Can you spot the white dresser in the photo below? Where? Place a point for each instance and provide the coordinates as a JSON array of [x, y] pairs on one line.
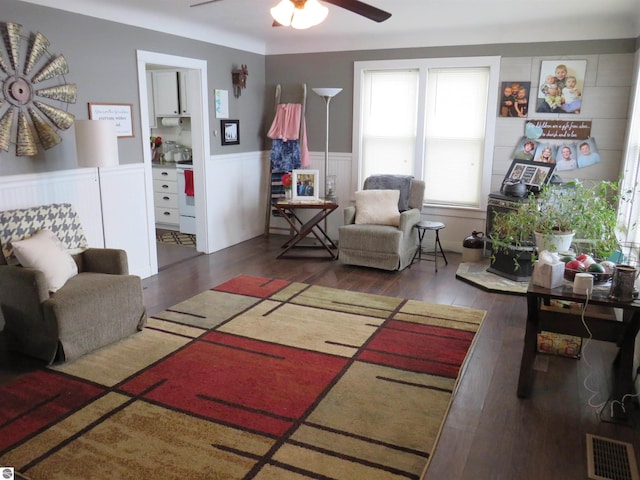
[[165, 196]]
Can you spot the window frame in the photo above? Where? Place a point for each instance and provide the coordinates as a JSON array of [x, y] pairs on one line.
[[422, 65]]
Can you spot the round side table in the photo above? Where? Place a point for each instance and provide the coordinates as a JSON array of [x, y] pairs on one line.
[[422, 227]]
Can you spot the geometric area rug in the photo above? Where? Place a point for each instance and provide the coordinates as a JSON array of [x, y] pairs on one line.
[[256, 378]]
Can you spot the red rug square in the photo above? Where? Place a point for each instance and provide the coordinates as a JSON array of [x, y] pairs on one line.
[[39, 399], [243, 382], [419, 348], [253, 286]]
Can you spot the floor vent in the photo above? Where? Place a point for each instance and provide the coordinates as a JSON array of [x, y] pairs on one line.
[[610, 460]]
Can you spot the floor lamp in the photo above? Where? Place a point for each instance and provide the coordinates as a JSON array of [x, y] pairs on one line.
[[329, 184], [97, 147]]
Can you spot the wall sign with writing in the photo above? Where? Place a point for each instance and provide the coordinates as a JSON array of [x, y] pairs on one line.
[[563, 129], [121, 113]]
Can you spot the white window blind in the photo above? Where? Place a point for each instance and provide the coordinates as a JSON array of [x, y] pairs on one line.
[[455, 127], [430, 118], [389, 121]]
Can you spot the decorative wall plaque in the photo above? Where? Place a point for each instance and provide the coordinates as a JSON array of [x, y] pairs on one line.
[[28, 72], [563, 129]]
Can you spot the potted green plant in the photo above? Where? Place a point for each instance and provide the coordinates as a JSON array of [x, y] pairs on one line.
[[588, 213], [512, 243]]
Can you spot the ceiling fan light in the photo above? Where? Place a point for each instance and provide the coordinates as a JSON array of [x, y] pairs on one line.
[[283, 12], [310, 15]]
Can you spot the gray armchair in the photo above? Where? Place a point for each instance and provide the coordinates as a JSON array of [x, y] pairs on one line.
[[386, 247], [98, 306]]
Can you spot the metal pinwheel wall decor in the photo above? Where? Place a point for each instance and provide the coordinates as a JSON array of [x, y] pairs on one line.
[[35, 95]]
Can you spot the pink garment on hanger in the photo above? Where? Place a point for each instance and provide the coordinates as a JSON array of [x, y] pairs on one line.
[[286, 126]]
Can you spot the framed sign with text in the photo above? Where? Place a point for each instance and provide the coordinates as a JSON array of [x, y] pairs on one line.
[[121, 113]]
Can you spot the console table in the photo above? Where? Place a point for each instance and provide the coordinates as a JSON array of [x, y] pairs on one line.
[[602, 320], [289, 211]]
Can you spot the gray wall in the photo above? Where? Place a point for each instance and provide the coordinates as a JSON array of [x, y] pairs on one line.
[[102, 62], [335, 69]]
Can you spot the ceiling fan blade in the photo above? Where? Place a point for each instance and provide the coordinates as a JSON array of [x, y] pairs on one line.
[[361, 8], [204, 3]]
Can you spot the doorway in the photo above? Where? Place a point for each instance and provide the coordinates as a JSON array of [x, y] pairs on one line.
[[199, 119]]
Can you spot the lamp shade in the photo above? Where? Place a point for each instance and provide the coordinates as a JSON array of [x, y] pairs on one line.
[[96, 143], [311, 13], [283, 12], [327, 92]]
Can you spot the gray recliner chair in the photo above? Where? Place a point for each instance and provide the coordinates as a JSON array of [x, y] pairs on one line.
[[384, 247], [98, 306]]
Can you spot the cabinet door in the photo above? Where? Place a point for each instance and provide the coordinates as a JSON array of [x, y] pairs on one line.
[[165, 93], [183, 93]]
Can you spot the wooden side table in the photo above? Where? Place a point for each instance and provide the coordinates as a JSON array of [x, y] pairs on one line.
[[289, 211], [621, 330]]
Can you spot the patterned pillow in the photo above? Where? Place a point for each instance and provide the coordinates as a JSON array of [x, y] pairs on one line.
[[61, 219]]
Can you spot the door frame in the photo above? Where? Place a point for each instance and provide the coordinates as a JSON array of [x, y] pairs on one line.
[[201, 146]]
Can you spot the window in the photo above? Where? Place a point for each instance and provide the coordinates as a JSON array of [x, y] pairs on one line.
[[454, 135], [431, 119], [389, 122], [630, 211]]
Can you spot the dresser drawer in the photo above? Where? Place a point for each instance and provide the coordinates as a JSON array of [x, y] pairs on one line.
[[165, 200], [168, 173], [165, 186], [167, 215]]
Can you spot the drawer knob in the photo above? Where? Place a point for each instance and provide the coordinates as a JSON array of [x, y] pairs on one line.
[[165, 173], [165, 186], [165, 198], [167, 213]]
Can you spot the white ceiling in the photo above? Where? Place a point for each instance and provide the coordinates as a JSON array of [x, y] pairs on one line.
[[246, 24]]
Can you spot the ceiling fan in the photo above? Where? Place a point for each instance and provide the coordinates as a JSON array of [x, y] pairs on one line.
[[355, 6]]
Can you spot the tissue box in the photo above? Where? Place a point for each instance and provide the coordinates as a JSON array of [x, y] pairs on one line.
[[548, 275]]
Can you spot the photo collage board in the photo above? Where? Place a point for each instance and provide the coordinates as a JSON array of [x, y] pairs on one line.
[[565, 144]]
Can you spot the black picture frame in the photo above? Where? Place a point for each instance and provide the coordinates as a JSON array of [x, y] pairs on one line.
[[230, 132], [533, 174]]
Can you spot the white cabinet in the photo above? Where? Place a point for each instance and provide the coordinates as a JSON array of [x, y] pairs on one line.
[[165, 197], [165, 93], [170, 93], [183, 93]]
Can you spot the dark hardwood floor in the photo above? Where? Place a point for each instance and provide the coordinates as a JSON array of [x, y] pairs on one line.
[[490, 434]]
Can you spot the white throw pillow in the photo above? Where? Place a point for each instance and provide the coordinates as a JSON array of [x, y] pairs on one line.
[[377, 207], [43, 251]]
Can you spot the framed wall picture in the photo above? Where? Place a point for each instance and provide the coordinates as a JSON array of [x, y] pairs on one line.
[[230, 132], [121, 113], [222, 103], [514, 99], [305, 184], [533, 174], [561, 85]]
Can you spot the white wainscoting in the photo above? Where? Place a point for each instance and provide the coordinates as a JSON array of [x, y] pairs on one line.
[[237, 198], [124, 205], [125, 216]]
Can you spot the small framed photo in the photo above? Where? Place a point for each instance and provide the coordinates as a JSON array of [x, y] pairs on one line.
[[533, 174], [230, 132], [514, 99], [305, 184]]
